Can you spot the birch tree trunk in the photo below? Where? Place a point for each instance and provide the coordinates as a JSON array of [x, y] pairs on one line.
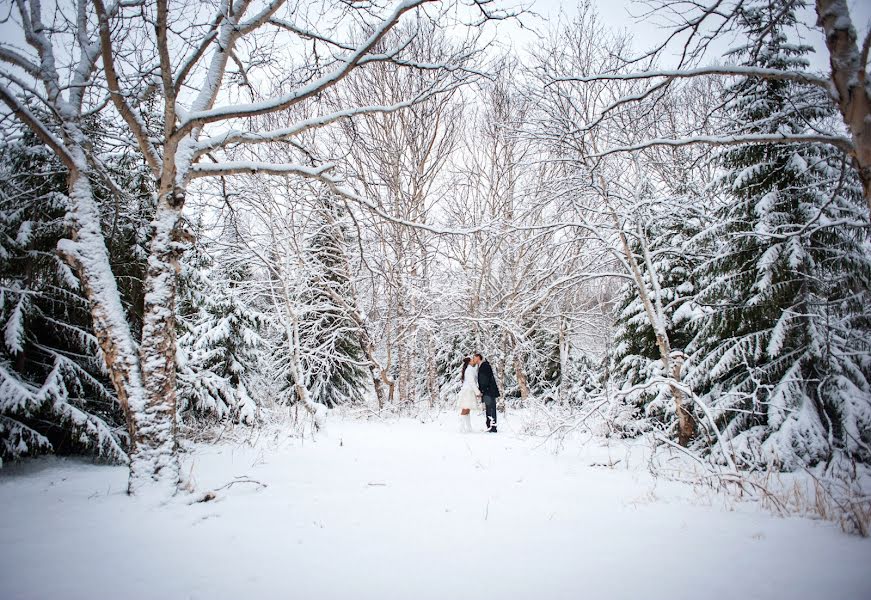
[[157, 459], [849, 79], [563, 360], [520, 373], [87, 254], [431, 372], [670, 366]]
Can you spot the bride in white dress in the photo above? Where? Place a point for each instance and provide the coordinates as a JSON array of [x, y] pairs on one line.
[[467, 399]]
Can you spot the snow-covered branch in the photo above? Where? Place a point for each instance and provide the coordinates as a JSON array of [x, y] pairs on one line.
[[130, 116], [37, 126], [12, 57], [841, 142], [207, 144], [348, 63], [229, 168], [762, 73]]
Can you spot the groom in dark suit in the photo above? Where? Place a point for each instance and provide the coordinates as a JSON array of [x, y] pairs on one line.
[[489, 390]]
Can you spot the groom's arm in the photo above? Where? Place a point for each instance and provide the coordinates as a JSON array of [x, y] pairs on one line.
[[491, 379], [485, 376]]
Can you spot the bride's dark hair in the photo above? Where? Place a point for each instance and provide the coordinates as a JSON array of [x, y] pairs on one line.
[[466, 361]]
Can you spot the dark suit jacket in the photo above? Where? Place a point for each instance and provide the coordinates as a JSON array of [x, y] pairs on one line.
[[487, 381]]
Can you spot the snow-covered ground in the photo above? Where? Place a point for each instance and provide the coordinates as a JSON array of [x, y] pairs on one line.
[[404, 509]]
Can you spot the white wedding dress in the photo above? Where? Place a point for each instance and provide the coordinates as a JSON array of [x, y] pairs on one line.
[[468, 396]]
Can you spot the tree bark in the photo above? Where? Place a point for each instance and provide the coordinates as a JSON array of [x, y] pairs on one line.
[[431, 372], [155, 439], [849, 82], [144, 380], [563, 359], [520, 373], [88, 255]]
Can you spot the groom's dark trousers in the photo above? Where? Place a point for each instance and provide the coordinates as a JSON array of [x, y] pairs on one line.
[[490, 409]]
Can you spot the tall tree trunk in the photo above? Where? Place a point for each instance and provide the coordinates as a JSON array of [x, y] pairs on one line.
[[520, 373], [297, 374], [402, 368], [380, 377], [403, 348], [406, 386], [849, 74], [686, 426], [156, 460], [563, 359], [671, 366], [88, 255], [431, 372], [148, 406]]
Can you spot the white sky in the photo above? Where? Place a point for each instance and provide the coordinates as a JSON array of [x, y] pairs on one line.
[[617, 14]]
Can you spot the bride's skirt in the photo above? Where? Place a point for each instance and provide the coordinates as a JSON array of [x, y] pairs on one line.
[[467, 399]]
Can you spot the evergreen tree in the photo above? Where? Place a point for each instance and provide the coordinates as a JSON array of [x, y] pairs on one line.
[[54, 392], [543, 367], [449, 362], [584, 375], [219, 341], [336, 364], [782, 351]]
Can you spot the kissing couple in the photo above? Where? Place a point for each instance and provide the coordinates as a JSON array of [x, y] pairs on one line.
[[479, 385]]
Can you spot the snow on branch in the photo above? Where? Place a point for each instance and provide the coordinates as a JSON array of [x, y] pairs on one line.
[[458, 65], [308, 33], [131, 117], [208, 144], [253, 168], [335, 184], [197, 54], [490, 11], [260, 18], [841, 142], [14, 58], [762, 73], [198, 118], [37, 126]]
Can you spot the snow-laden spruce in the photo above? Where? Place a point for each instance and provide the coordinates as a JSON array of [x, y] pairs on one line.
[[336, 364], [782, 342], [55, 394], [219, 343]]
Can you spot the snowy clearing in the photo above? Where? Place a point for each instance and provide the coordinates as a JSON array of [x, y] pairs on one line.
[[405, 509]]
